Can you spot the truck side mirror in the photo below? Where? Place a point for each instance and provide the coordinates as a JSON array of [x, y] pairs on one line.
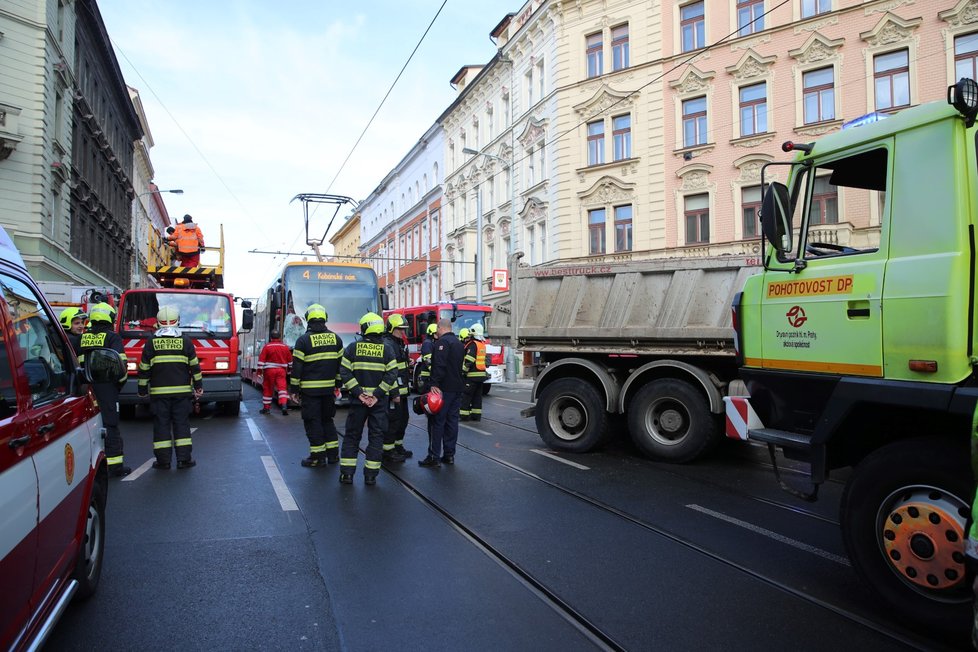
[[384, 303], [776, 218], [247, 319]]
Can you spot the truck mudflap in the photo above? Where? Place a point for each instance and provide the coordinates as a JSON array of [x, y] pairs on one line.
[[216, 388], [740, 417], [529, 412]]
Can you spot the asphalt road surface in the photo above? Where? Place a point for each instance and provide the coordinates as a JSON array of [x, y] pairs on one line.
[[513, 548]]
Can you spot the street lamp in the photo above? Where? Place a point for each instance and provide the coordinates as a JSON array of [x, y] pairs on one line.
[[513, 243], [175, 191]]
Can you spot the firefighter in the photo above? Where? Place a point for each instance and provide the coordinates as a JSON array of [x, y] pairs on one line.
[[427, 348], [169, 373], [316, 362], [73, 320], [474, 368], [446, 382], [187, 241], [369, 372], [103, 337], [273, 362], [397, 413]]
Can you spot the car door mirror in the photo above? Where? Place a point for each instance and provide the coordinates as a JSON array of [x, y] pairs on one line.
[[78, 383], [776, 218], [39, 374]]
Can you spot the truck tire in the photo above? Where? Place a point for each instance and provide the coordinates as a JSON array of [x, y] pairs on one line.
[[88, 564], [127, 411], [485, 389], [670, 420], [231, 408], [922, 485], [570, 416]]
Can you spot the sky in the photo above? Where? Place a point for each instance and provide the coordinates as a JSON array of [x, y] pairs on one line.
[[252, 102]]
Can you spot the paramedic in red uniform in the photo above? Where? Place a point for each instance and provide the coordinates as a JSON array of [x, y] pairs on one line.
[[274, 362]]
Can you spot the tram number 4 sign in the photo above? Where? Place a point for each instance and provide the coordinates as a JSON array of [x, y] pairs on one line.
[[500, 280]]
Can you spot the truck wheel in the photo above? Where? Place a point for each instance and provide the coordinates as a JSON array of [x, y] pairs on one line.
[[670, 420], [485, 389], [904, 512], [88, 565], [231, 408], [570, 416], [127, 412]]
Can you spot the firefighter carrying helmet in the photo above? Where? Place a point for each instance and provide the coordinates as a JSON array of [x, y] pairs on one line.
[[395, 321], [371, 324], [432, 329], [168, 316], [477, 331], [429, 403], [69, 315], [316, 311], [101, 312]]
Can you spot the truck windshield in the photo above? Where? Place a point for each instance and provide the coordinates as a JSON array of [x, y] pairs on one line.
[[201, 315], [464, 318], [346, 293]]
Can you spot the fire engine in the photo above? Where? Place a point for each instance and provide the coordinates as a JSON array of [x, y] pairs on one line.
[[462, 315]]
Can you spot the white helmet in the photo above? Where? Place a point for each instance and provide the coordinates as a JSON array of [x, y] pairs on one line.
[[168, 316], [476, 331]]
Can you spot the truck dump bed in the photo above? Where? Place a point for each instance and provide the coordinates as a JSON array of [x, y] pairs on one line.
[[669, 306]]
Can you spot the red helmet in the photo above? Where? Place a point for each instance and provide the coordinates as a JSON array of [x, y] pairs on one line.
[[428, 403]]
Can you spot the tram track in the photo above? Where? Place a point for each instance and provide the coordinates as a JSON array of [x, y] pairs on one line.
[[606, 640]]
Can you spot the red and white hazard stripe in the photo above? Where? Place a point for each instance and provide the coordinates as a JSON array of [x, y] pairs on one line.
[[741, 418]]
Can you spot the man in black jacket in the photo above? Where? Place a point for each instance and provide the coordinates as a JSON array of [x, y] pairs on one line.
[[447, 380], [316, 362]]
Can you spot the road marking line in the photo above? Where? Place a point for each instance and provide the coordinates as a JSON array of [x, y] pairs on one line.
[[255, 432], [285, 498], [146, 466], [481, 432], [244, 408], [559, 459], [771, 535], [510, 400]]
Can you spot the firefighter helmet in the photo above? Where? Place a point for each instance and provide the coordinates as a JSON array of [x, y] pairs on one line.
[[168, 316], [432, 329], [101, 312], [69, 315], [429, 403], [477, 331], [395, 321], [316, 311], [371, 324], [463, 334]]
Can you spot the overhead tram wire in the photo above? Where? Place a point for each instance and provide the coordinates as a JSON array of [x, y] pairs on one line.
[[380, 106]]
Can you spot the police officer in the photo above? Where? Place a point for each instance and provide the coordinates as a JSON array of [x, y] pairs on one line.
[[103, 337], [474, 368], [73, 321], [427, 348], [169, 373], [446, 380], [316, 361], [369, 372], [397, 414]]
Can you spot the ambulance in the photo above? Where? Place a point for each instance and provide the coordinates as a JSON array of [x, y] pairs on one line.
[[53, 478]]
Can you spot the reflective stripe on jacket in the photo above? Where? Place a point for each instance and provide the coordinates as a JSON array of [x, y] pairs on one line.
[[187, 238], [316, 360], [400, 354], [369, 365], [474, 363], [169, 366]]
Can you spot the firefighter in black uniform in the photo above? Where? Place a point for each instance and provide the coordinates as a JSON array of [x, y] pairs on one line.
[[169, 373], [103, 337], [427, 348], [397, 413], [315, 368], [474, 368], [368, 371]]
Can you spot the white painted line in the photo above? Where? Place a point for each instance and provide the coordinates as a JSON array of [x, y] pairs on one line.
[[481, 432], [285, 498], [560, 459], [244, 408], [508, 400], [143, 468], [771, 535], [255, 432]]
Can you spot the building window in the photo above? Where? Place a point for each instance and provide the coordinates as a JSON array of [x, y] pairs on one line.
[[694, 122], [697, 219], [619, 47], [542, 231], [819, 89], [435, 233], [811, 8], [750, 206], [825, 203], [529, 88], [595, 55], [623, 228], [966, 56], [540, 79], [541, 150], [753, 109], [692, 26], [595, 142], [530, 238], [531, 176], [750, 16], [621, 137], [595, 227], [891, 72]]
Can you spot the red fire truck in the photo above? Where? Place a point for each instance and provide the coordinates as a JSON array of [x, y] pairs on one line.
[[206, 316], [462, 315]]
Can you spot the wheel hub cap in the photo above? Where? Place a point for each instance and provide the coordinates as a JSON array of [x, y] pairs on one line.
[[924, 541], [571, 417], [671, 421]]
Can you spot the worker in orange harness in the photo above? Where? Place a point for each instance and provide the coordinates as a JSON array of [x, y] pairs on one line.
[[187, 242]]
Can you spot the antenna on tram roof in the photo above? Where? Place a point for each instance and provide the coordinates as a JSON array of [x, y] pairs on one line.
[[315, 198]]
